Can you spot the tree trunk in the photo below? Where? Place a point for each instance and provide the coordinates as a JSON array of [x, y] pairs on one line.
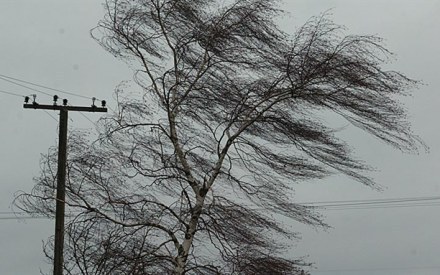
[[189, 237]]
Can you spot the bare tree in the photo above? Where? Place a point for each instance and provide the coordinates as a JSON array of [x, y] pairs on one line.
[[190, 176]]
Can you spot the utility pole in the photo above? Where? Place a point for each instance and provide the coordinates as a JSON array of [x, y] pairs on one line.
[[61, 174]]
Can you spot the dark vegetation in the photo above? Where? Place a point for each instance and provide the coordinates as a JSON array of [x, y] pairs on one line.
[[187, 177]]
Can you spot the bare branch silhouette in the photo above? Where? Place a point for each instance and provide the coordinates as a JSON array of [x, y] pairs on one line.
[[190, 177]]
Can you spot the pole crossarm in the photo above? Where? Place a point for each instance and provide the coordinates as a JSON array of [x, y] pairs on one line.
[[66, 108]]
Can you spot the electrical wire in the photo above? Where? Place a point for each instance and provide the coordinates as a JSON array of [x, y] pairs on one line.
[[349, 205], [11, 93], [12, 79], [24, 86], [377, 203], [381, 207], [24, 218], [326, 203], [81, 113], [2, 77], [10, 215], [376, 269], [50, 115], [88, 118], [42, 86], [18, 95]]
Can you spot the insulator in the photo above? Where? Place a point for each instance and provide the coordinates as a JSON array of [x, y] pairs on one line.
[[26, 99], [64, 102], [103, 103]]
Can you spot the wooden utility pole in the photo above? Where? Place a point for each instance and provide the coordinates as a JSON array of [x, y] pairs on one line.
[[61, 174]]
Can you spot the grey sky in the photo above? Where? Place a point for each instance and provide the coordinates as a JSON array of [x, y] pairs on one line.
[[48, 42]]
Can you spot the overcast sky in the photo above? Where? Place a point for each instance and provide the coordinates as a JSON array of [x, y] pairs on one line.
[[48, 42]]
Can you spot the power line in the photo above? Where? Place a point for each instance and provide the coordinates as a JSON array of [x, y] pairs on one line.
[[24, 218], [377, 269], [42, 86], [370, 204], [24, 86], [85, 117], [12, 80], [11, 93], [88, 119], [22, 96], [341, 205], [50, 115], [323, 203], [19, 95], [377, 203], [380, 207]]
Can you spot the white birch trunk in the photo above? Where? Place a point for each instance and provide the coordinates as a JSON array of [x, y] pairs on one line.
[[189, 237]]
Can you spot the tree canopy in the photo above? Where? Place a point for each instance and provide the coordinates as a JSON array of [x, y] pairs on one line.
[[186, 177]]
